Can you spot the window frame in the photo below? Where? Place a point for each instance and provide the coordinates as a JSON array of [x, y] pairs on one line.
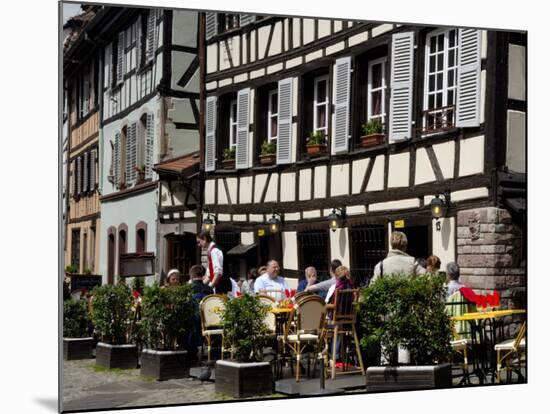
[[316, 103], [445, 72], [383, 61], [233, 123], [271, 114]]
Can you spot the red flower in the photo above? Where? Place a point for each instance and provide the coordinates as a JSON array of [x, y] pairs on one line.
[[292, 293], [287, 293], [238, 294], [136, 294], [496, 295], [489, 300]]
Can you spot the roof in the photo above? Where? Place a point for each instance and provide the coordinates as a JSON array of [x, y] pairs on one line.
[[186, 165], [241, 249]]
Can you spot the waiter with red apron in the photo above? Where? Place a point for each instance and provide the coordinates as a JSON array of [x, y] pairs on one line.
[[216, 279]]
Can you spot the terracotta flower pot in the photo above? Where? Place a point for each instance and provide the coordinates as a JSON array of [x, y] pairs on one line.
[[228, 164], [267, 159], [316, 150], [372, 140]]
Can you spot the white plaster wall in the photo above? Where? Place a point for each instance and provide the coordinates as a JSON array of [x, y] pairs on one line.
[[354, 210], [293, 62], [358, 38], [423, 172], [247, 237], [309, 31], [259, 186], [295, 32], [305, 184], [445, 154], [180, 63], [257, 73], [483, 93], [320, 182], [324, 28], [232, 186], [516, 72], [311, 214], [222, 195], [276, 40], [395, 205], [376, 181], [271, 194], [132, 210], [469, 194], [210, 191], [292, 216], [339, 246], [224, 57], [288, 187], [245, 190], [516, 141], [381, 29], [263, 37], [184, 27], [314, 55], [337, 25], [472, 153], [234, 44], [274, 68], [359, 168], [290, 249], [339, 180], [252, 46], [398, 172], [257, 218], [334, 48], [443, 241]]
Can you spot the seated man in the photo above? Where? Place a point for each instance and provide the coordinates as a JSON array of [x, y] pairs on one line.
[[270, 283], [309, 280], [323, 287], [200, 290]]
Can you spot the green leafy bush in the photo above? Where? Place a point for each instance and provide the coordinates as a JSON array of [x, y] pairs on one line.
[[229, 154], [112, 313], [75, 319], [167, 316], [71, 269], [244, 327], [316, 138], [268, 148], [407, 311], [374, 126]]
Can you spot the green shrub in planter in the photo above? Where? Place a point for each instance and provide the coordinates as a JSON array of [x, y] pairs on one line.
[[244, 327], [112, 313], [409, 312], [167, 316], [75, 319]]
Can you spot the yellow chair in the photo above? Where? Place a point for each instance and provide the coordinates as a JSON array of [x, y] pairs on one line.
[[461, 346], [211, 307], [309, 316], [511, 352]]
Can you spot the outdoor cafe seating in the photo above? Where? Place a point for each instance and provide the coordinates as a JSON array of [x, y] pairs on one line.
[[211, 322]]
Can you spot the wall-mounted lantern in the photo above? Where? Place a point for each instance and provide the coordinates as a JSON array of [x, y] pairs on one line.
[[336, 218], [439, 206], [274, 223], [209, 222]]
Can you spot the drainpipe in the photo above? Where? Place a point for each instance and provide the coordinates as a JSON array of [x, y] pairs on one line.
[[202, 108]]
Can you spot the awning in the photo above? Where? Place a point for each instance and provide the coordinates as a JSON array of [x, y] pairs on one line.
[[185, 166], [241, 249]]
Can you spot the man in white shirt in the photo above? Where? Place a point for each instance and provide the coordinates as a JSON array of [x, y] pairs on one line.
[[214, 271], [270, 283]]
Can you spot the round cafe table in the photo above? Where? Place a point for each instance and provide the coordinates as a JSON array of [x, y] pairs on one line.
[[486, 329]]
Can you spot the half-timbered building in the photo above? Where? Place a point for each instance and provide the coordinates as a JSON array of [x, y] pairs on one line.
[[81, 124], [451, 106], [150, 91]]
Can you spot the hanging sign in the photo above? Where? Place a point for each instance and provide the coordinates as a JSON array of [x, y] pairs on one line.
[[399, 224]]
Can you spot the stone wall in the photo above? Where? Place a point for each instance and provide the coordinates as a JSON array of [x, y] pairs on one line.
[[491, 257]]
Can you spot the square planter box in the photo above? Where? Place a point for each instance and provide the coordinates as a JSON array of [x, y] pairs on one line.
[[77, 348], [241, 380], [163, 365], [388, 378], [116, 356]]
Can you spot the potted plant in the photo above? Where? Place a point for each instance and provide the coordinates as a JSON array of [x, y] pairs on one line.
[[268, 153], [77, 343], [70, 269], [244, 328], [167, 321], [403, 315], [112, 317], [141, 173], [373, 133], [316, 144], [228, 161]]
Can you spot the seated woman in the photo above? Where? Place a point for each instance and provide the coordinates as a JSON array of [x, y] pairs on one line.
[[343, 281]]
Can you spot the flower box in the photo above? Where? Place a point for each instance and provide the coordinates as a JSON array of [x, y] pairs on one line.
[[163, 365], [316, 150], [116, 356], [77, 348], [243, 379], [228, 164], [372, 140], [401, 378], [268, 159]]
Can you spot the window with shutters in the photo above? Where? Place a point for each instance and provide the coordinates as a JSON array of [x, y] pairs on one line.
[[272, 116], [227, 128], [440, 80], [75, 248], [233, 125], [376, 90], [146, 132], [266, 116], [320, 105], [228, 21], [314, 102], [151, 35], [83, 91]]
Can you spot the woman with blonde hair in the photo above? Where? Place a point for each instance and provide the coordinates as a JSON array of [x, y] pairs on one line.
[[343, 281]]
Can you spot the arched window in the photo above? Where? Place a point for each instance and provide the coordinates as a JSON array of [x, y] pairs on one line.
[[141, 237], [122, 242], [111, 246]]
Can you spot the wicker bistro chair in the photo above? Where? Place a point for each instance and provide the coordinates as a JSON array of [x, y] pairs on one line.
[[270, 317], [461, 343], [309, 316], [341, 321], [511, 353], [211, 323]]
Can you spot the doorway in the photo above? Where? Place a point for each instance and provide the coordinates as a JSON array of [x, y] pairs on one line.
[[419, 240], [182, 252]]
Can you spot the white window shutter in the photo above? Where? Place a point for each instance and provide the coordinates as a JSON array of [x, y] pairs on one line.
[[246, 19], [120, 58], [284, 122], [93, 159], [469, 61], [85, 178], [78, 175], [138, 43], [211, 25], [131, 154], [72, 179], [149, 140], [117, 160], [243, 109], [342, 78], [401, 86], [210, 144], [151, 35]]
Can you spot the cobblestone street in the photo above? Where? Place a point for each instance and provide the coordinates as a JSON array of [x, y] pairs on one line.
[[87, 388]]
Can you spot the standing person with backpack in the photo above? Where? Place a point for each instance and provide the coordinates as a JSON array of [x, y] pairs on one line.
[[217, 281]]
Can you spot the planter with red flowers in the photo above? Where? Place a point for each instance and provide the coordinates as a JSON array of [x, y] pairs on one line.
[[316, 144], [373, 133], [112, 315], [246, 374]]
